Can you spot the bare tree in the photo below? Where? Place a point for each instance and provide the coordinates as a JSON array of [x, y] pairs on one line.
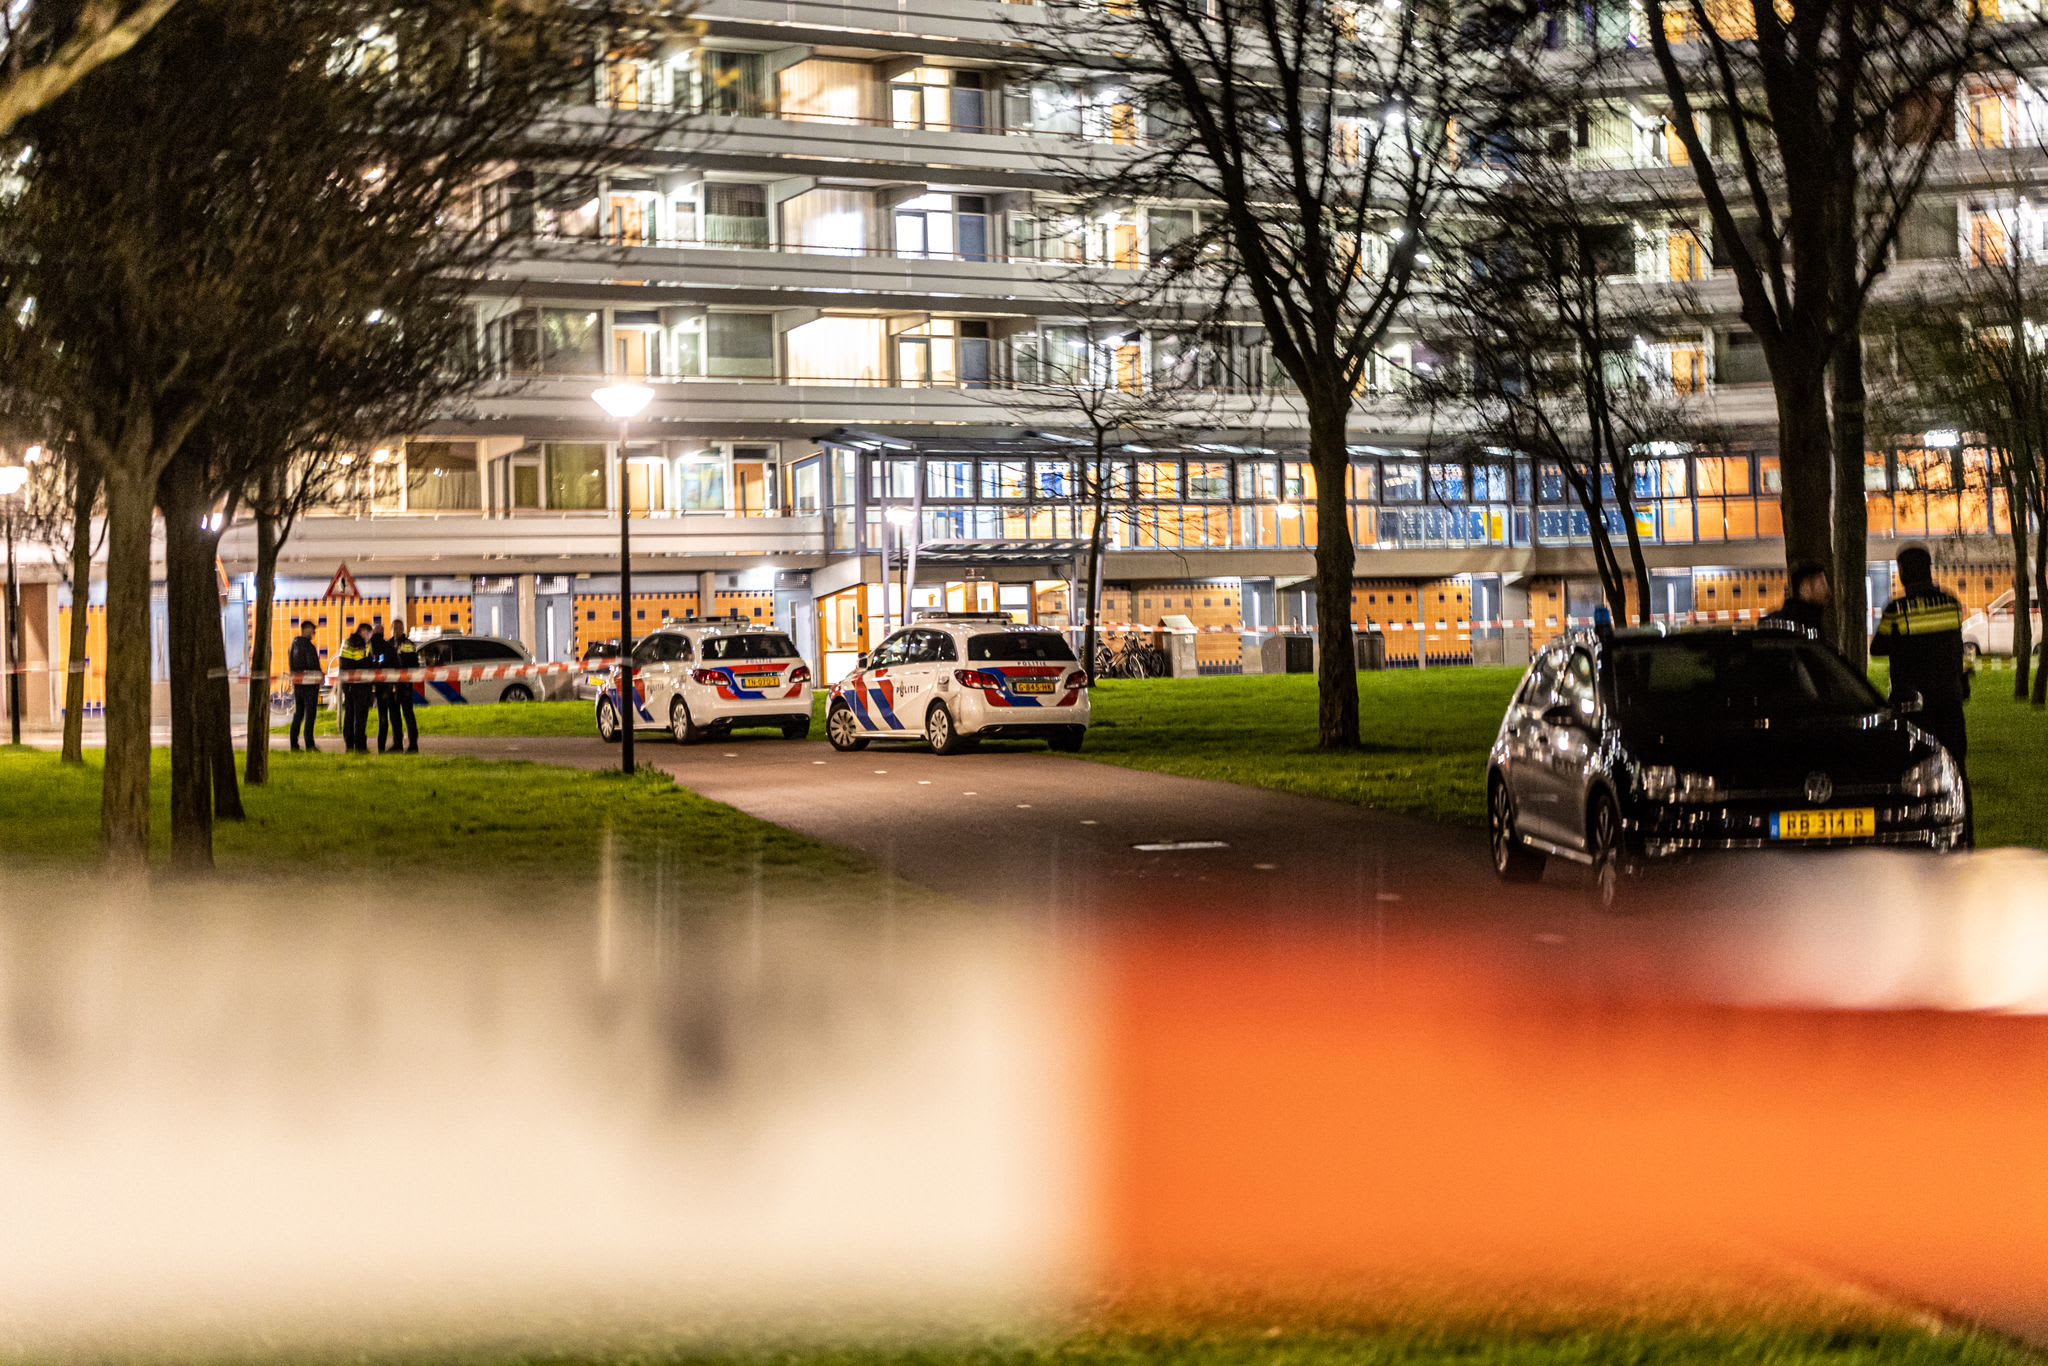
[[49, 46], [1093, 398], [1322, 135], [150, 294], [1809, 130], [1548, 336]]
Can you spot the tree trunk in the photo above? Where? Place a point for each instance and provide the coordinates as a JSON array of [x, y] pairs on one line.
[[1806, 467], [2022, 585], [190, 592], [1848, 567], [2040, 696], [124, 791], [84, 490], [256, 744], [1098, 533], [220, 707], [1336, 570]]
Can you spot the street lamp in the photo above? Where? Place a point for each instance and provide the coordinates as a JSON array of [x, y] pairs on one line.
[[625, 402], [13, 479], [900, 518]]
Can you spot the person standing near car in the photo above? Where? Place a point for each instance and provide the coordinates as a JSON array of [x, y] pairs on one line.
[[404, 653], [387, 700], [1921, 633], [1807, 595], [355, 694], [304, 658]]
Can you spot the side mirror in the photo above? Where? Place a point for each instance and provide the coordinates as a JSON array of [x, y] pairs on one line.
[[861, 662], [1563, 714]]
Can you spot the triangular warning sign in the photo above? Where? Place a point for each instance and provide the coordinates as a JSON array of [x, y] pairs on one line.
[[343, 584]]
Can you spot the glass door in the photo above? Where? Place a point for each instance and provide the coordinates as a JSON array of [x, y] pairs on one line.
[[914, 362]]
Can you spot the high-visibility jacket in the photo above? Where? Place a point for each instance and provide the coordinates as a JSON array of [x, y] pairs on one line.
[[355, 655], [1922, 634]]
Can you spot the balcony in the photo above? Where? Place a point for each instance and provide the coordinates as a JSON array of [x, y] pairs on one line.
[[549, 542]]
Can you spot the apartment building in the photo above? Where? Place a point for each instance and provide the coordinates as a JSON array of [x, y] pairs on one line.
[[845, 279]]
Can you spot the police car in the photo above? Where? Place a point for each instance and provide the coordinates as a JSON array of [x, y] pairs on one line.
[[953, 679], [699, 679]]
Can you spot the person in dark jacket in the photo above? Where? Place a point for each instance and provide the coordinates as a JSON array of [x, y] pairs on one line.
[[387, 699], [304, 658], [1807, 595], [1921, 633], [356, 696], [405, 726]]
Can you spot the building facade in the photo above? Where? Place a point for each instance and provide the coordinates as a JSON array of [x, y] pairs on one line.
[[843, 277]]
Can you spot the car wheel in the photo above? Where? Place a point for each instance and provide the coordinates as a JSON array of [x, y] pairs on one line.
[[608, 728], [1610, 857], [1068, 741], [686, 731], [843, 731], [1971, 652], [1513, 861], [797, 730], [940, 732], [516, 692]]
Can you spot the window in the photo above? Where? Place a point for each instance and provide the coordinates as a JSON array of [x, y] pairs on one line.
[[895, 650], [656, 649], [484, 652], [569, 342], [751, 645], [735, 215], [740, 345], [949, 479], [700, 482], [1002, 479], [1401, 481], [1037, 647], [440, 476], [575, 476], [1208, 479]]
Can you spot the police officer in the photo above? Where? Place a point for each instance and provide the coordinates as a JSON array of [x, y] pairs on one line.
[[1807, 594], [387, 702], [304, 659], [405, 727], [1921, 632], [355, 696]]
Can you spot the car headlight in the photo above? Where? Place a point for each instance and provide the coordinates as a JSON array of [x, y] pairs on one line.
[[1662, 783], [1934, 776]]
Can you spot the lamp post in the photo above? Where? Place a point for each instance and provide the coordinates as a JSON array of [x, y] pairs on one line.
[[625, 402], [13, 479], [900, 518]]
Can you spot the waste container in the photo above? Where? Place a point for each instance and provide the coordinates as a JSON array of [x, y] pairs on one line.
[[1371, 647], [1177, 637], [1293, 653]]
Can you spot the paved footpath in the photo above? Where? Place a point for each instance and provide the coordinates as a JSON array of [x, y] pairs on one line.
[[1020, 827]]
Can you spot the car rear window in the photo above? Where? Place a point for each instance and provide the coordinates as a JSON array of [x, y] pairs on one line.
[[1047, 647], [752, 645], [1748, 674]]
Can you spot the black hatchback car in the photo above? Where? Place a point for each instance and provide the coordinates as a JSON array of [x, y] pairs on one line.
[[1624, 749]]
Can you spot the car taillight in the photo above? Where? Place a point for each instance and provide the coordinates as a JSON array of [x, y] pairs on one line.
[[800, 674], [976, 678], [1074, 680], [708, 677]]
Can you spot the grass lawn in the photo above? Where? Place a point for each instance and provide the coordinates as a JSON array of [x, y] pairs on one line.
[[1823, 1343], [1426, 735], [510, 824], [510, 718]]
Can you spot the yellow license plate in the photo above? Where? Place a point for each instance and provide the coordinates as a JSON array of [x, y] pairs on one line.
[[1031, 685], [759, 680], [1841, 823]]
